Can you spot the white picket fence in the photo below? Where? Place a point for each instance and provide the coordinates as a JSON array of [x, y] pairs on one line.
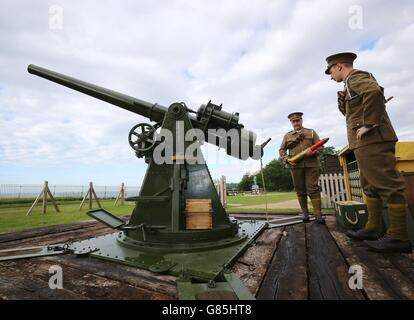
[[221, 188], [332, 189]]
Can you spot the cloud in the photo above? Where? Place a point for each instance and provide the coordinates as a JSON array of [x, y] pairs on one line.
[[263, 59]]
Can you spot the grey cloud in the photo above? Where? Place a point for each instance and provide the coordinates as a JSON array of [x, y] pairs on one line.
[[263, 59]]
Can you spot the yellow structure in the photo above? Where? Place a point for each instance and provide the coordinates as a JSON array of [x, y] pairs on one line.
[[404, 152], [344, 164]]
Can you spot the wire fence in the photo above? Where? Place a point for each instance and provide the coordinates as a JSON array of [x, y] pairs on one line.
[[28, 191]]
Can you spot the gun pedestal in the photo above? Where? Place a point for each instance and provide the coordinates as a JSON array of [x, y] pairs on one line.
[[158, 236]]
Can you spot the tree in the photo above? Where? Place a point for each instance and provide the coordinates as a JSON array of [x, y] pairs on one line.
[[322, 158], [246, 183], [276, 176]]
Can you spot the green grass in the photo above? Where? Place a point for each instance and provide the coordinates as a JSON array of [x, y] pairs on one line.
[[272, 197], [13, 217], [26, 201], [13, 214], [278, 210]]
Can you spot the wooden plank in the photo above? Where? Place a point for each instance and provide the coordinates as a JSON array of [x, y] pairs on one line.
[[59, 228], [147, 288], [332, 191], [198, 206], [337, 193], [159, 283], [31, 233], [327, 269], [342, 188], [44, 204], [96, 198], [199, 221], [198, 214], [34, 203], [381, 277], [332, 188], [251, 268], [79, 282], [94, 286], [70, 235], [15, 284], [90, 194], [286, 277], [404, 263], [322, 179]]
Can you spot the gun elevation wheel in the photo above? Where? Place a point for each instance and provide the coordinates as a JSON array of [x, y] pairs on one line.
[[142, 137]]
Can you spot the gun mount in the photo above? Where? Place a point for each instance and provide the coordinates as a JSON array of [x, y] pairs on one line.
[[178, 224]]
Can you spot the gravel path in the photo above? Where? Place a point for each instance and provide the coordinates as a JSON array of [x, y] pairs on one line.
[[289, 204]]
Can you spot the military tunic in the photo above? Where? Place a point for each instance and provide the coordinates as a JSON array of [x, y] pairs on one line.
[[305, 174], [375, 152]]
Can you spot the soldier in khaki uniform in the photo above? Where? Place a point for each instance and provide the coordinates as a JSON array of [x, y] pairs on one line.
[[305, 174], [372, 138]]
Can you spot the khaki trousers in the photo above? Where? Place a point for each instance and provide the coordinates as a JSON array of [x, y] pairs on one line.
[[305, 182], [378, 175]]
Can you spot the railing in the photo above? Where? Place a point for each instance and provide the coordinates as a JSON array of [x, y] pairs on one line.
[[332, 189], [29, 191], [221, 188]]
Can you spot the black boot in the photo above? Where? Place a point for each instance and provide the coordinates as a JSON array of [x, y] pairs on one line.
[[320, 220], [363, 234], [305, 217], [389, 245]]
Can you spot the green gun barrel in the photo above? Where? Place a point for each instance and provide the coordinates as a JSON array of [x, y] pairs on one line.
[[154, 112], [208, 116]]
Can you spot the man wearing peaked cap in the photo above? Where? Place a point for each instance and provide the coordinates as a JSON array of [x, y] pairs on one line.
[[295, 115], [372, 138], [305, 173], [344, 57]]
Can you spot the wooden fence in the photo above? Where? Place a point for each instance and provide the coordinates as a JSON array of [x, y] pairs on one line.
[[332, 189], [221, 188]]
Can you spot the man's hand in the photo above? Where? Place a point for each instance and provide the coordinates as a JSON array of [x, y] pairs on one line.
[[361, 131], [341, 101], [291, 162]]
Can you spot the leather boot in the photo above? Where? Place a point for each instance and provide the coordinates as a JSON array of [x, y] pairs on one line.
[[317, 209], [363, 234], [398, 221], [396, 239], [303, 202], [374, 223], [389, 245], [373, 228]]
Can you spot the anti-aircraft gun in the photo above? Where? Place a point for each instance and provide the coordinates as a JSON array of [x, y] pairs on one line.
[[174, 177], [178, 225]]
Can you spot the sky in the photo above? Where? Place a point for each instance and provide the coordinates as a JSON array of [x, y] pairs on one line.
[[263, 59]]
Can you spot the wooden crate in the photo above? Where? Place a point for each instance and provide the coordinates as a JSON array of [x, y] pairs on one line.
[[199, 214]]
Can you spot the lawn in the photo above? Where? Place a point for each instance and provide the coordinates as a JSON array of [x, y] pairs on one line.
[[272, 197], [13, 215]]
